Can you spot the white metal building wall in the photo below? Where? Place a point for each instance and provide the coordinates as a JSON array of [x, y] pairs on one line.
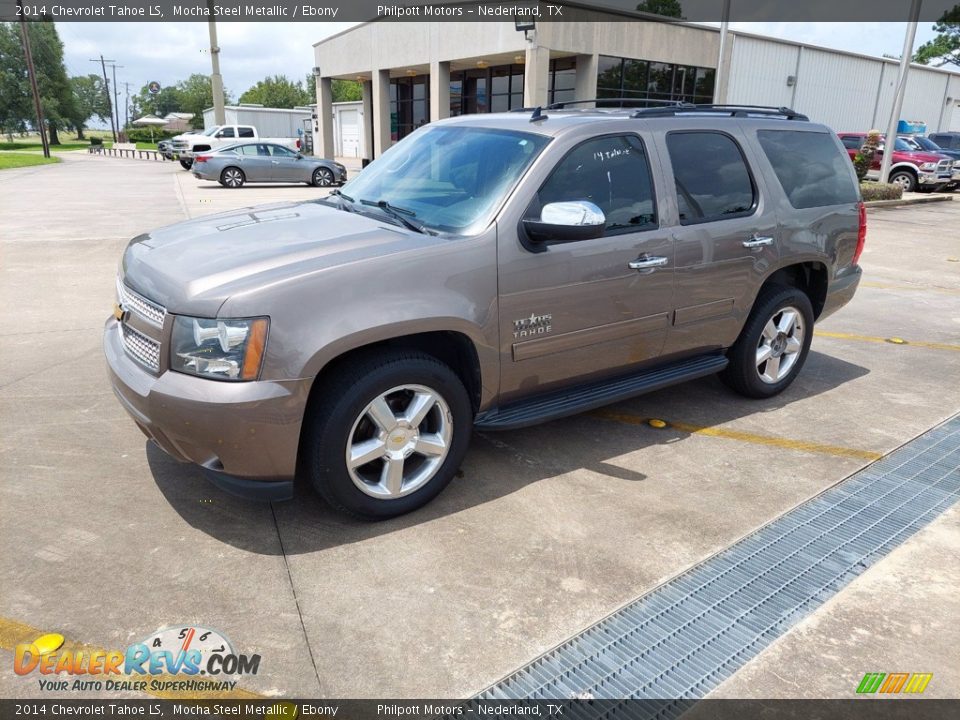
[[847, 92], [269, 122]]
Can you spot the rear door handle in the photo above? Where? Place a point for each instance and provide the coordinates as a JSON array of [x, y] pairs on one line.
[[645, 262], [758, 241]]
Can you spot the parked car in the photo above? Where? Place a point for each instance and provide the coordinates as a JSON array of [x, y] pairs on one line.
[[911, 169], [918, 142], [187, 145], [165, 147], [236, 165], [946, 140], [489, 271]]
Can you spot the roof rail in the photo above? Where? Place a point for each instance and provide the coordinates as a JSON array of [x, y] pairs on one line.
[[731, 110], [613, 102]]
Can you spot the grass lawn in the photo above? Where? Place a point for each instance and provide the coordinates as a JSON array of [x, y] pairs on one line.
[[16, 160], [28, 144]]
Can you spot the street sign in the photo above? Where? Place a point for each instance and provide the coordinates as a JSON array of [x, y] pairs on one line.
[[153, 87]]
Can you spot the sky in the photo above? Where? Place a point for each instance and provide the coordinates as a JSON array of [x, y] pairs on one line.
[[168, 52]]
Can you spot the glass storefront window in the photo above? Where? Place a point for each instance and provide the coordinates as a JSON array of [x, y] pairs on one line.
[[647, 80]]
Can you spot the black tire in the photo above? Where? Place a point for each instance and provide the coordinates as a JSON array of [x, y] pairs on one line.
[[323, 177], [232, 177], [905, 179], [743, 374], [186, 163], [337, 414]]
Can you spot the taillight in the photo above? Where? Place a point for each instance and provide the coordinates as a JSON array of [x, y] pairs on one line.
[[861, 233], [201, 158]]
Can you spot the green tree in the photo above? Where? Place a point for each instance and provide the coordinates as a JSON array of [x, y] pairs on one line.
[[944, 49], [90, 100], [667, 8], [278, 92], [56, 94], [346, 91], [196, 95], [168, 100], [16, 108]]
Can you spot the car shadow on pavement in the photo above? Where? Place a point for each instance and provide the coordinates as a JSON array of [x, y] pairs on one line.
[[497, 465]]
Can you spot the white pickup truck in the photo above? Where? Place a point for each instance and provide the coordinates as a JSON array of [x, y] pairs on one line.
[[185, 146]]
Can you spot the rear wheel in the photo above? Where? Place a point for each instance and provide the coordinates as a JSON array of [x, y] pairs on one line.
[[232, 177], [387, 434], [186, 163], [905, 179], [323, 177], [773, 344]]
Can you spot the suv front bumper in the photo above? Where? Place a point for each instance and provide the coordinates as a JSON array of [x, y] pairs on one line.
[[244, 434]]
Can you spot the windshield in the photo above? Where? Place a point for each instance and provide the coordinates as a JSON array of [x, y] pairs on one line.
[[448, 178], [926, 144]]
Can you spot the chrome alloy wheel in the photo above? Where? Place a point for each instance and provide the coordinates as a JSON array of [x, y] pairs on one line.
[[322, 177], [233, 177], [780, 344], [399, 441]]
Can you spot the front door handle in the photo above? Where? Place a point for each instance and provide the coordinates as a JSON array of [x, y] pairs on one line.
[[646, 262], [758, 241]]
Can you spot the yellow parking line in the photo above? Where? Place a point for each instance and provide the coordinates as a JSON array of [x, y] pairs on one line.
[[13, 633], [922, 288], [768, 440], [889, 341]]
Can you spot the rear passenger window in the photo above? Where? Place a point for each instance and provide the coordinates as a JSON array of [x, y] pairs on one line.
[[245, 132], [811, 169], [611, 172], [713, 182]]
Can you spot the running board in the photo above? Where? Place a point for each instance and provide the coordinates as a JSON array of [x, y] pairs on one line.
[[588, 397]]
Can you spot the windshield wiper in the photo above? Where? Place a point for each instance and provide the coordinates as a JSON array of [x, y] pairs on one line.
[[401, 215], [344, 205]]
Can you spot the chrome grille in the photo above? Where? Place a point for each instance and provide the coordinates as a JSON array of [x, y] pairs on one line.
[[149, 311], [945, 165], [144, 350]]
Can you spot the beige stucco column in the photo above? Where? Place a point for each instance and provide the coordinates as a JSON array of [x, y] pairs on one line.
[[366, 87], [381, 112], [586, 78], [536, 76], [439, 90], [325, 148]]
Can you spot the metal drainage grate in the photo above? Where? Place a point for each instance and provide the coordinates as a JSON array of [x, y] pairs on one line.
[[687, 636]]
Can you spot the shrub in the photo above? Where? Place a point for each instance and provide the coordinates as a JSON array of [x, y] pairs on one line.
[[96, 141], [143, 134], [864, 158], [880, 191]]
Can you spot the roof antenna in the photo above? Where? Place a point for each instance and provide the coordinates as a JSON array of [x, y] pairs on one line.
[[537, 114]]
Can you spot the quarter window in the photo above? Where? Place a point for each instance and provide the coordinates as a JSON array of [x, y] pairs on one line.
[[614, 174], [712, 178], [811, 169]]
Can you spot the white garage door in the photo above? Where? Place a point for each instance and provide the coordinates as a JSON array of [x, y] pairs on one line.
[[349, 133], [955, 119]]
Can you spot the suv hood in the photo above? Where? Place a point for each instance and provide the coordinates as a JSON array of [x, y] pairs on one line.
[[194, 266]]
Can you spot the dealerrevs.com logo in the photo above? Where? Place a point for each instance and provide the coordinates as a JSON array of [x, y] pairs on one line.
[[185, 658]]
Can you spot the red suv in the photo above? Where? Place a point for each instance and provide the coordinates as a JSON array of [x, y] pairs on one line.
[[911, 169]]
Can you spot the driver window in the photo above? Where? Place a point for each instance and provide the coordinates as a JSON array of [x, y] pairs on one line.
[[226, 133], [611, 172]]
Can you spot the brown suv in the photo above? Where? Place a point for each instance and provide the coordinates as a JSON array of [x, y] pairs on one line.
[[489, 271]]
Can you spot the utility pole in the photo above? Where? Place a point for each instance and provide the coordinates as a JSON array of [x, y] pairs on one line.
[[106, 85], [216, 80], [126, 104], [33, 82], [723, 69], [116, 94], [891, 138]]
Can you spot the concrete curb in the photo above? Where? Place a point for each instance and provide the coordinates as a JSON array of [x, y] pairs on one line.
[[907, 201]]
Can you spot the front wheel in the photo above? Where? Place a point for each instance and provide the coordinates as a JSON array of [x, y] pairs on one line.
[[386, 434], [905, 179], [186, 163], [773, 344], [322, 177]]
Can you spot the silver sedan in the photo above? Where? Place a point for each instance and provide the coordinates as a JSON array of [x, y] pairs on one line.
[[265, 162]]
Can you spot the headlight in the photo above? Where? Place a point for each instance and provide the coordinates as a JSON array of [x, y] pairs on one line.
[[928, 166], [220, 349]]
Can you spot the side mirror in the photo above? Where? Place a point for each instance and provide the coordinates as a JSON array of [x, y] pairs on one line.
[[570, 221], [299, 156]]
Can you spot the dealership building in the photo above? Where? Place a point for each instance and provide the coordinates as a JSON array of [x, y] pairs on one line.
[[415, 72]]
